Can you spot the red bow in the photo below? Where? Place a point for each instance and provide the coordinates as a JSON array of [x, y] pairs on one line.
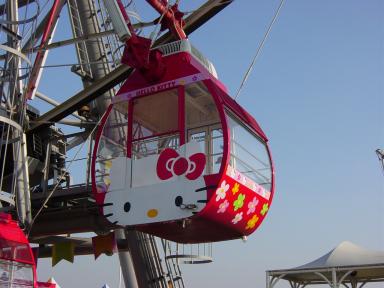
[[170, 163]]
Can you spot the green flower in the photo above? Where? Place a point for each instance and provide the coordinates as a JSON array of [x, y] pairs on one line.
[[239, 202], [264, 209]]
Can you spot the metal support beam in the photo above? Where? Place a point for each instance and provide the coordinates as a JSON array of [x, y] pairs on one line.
[[273, 280], [77, 140], [19, 147], [126, 262], [192, 22], [334, 278], [71, 41], [83, 97], [83, 246], [87, 37], [20, 3], [267, 282], [95, 50], [53, 102], [24, 158], [198, 18], [341, 280], [74, 220]]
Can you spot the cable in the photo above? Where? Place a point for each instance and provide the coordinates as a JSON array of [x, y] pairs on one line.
[[259, 49], [155, 34], [66, 65], [380, 155]]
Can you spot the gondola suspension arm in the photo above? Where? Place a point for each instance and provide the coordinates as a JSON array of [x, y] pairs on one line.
[[138, 53], [172, 18]]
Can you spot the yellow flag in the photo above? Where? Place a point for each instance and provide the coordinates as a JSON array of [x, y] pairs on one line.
[[63, 250]]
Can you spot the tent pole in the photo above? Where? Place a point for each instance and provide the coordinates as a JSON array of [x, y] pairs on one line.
[[334, 278]]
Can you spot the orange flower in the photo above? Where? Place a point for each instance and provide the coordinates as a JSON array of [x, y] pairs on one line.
[[235, 188], [252, 222]]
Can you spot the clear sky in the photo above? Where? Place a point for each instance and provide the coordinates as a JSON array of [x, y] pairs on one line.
[[317, 91]]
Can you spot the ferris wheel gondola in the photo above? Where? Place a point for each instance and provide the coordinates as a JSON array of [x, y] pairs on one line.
[[17, 264], [179, 158]]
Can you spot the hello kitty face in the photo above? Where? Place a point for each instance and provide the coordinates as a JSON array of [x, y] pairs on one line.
[[157, 188]]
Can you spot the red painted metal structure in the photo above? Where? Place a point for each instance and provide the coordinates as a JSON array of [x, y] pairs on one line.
[[41, 54], [172, 17]]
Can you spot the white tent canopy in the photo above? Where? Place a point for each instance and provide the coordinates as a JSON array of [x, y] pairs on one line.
[[347, 264], [53, 281]]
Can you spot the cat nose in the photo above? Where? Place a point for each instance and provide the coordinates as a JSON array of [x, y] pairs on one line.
[[152, 213]]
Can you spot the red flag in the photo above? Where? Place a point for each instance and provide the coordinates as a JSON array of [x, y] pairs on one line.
[[104, 244]]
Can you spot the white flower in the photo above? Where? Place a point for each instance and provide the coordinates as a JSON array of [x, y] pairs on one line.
[[222, 190], [238, 217]]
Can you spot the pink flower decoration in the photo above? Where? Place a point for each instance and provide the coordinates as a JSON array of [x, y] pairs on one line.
[[223, 207], [252, 205], [238, 218]]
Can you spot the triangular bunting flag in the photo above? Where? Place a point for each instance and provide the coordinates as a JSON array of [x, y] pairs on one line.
[[104, 244], [62, 250]]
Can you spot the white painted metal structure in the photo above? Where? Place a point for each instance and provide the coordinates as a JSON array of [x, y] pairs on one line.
[[346, 265]]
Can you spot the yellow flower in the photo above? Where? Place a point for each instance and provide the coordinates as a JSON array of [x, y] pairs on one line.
[[252, 222], [108, 164], [235, 188]]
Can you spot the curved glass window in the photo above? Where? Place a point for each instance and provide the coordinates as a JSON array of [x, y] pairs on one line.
[[249, 154], [113, 143], [13, 274], [203, 124], [155, 123]]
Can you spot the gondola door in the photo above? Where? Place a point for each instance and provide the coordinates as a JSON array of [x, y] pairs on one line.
[[210, 139]]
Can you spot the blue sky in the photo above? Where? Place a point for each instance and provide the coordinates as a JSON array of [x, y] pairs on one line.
[[317, 91]]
